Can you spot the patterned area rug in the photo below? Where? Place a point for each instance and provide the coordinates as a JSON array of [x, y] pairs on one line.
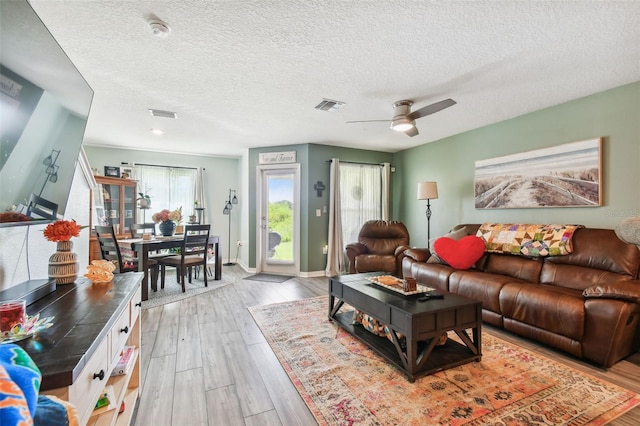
[[345, 383], [172, 291]]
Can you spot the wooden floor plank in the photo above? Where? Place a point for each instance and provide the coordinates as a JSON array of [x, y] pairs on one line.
[[215, 369], [156, 403], [167, 339], [189, 350], [190, 402], [252, 393], [223, 407], [268, 418], [288, 403]]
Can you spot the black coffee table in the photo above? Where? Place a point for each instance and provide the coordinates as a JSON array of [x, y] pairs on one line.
[[421, 322]]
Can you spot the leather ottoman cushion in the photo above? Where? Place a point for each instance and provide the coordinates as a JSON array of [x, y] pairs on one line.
[[557, 310]]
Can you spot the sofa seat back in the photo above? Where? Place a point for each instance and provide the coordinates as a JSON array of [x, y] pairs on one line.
[[383, 237], [520, 267], [599, 257]]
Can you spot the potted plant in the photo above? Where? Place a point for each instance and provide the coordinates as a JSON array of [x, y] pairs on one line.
[[192, 217], [144, 200]]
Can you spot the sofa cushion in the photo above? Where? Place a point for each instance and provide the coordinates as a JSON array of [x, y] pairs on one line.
[[555, 309], [483, 286], [462, 253]]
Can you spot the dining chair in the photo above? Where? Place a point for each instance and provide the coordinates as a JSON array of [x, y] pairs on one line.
[[193, 253], [137, 229], [110, 250], [41, 208]]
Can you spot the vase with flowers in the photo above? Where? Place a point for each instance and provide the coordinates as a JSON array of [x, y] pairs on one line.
[[167, 220], [63, 264]]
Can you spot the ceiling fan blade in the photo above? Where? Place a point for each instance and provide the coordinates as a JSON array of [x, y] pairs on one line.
[[412, 131], [431, 109], [367, 121]]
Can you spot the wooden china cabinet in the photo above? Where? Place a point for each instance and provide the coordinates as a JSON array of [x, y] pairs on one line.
[[113, 202]]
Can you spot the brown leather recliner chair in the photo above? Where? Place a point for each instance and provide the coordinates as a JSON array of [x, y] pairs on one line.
[[380, 247]]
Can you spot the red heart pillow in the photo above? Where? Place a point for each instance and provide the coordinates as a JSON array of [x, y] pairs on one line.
[[462, 253]]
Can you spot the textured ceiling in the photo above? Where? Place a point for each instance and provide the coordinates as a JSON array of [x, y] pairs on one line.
[[244, 74]]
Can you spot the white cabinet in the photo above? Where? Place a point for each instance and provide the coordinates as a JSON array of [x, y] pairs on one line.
[[94, 323]]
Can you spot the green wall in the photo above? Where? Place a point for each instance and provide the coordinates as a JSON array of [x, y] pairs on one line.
[[313, 168], [613, 115]]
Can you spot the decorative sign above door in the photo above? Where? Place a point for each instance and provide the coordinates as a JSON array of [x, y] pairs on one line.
[[277, 157]]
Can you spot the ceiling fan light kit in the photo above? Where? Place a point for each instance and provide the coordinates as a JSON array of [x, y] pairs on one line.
[[405, 121]]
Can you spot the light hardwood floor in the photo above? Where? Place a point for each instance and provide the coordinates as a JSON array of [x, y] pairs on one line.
[[205, 362]]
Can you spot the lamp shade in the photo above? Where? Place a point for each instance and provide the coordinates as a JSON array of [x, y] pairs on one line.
[[427, 190]]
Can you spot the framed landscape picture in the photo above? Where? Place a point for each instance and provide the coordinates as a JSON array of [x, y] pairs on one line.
[[567, 175], [112, 171]]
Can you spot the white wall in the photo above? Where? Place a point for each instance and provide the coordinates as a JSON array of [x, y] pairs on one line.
[[24, 252]]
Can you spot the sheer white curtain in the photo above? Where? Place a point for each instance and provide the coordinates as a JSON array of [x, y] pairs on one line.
[[358, 193], [336, 261], [169, 188]]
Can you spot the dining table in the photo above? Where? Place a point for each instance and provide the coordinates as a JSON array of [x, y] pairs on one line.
[[141, 248]]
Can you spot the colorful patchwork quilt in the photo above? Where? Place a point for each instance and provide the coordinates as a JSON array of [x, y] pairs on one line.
[[527, 239]]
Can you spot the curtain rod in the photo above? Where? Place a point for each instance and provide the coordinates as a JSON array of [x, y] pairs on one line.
[[159, 165], [357, 162]]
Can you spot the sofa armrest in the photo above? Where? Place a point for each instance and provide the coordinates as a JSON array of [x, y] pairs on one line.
[[399, 253], [418, 254], [625, 290], [354, 250]]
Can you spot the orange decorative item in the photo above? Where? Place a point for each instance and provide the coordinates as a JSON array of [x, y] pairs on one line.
[[100, 271], [63, 264], [62, 230]]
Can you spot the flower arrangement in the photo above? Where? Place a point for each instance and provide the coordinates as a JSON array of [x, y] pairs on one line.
[[62, 230], [166, 214]]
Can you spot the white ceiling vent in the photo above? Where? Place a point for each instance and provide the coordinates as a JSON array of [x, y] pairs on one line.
[[161, 113], [329, 105]]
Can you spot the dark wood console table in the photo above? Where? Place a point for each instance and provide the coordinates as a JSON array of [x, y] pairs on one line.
[[91, 325], [420, 322]]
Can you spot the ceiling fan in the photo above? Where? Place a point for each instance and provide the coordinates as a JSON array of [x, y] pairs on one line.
[[405, 121]]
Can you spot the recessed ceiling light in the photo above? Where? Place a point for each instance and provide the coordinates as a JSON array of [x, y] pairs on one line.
[[161, 113], [157, 131]]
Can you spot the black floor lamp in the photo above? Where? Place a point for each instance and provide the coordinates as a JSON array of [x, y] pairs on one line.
[[428, 191], [227, 211], [52, 168]]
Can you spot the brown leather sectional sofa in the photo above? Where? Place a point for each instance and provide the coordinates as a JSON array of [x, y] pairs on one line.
[[586, 303]]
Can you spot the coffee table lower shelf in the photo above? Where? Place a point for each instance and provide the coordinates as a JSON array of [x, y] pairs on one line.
[[449, 355]]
